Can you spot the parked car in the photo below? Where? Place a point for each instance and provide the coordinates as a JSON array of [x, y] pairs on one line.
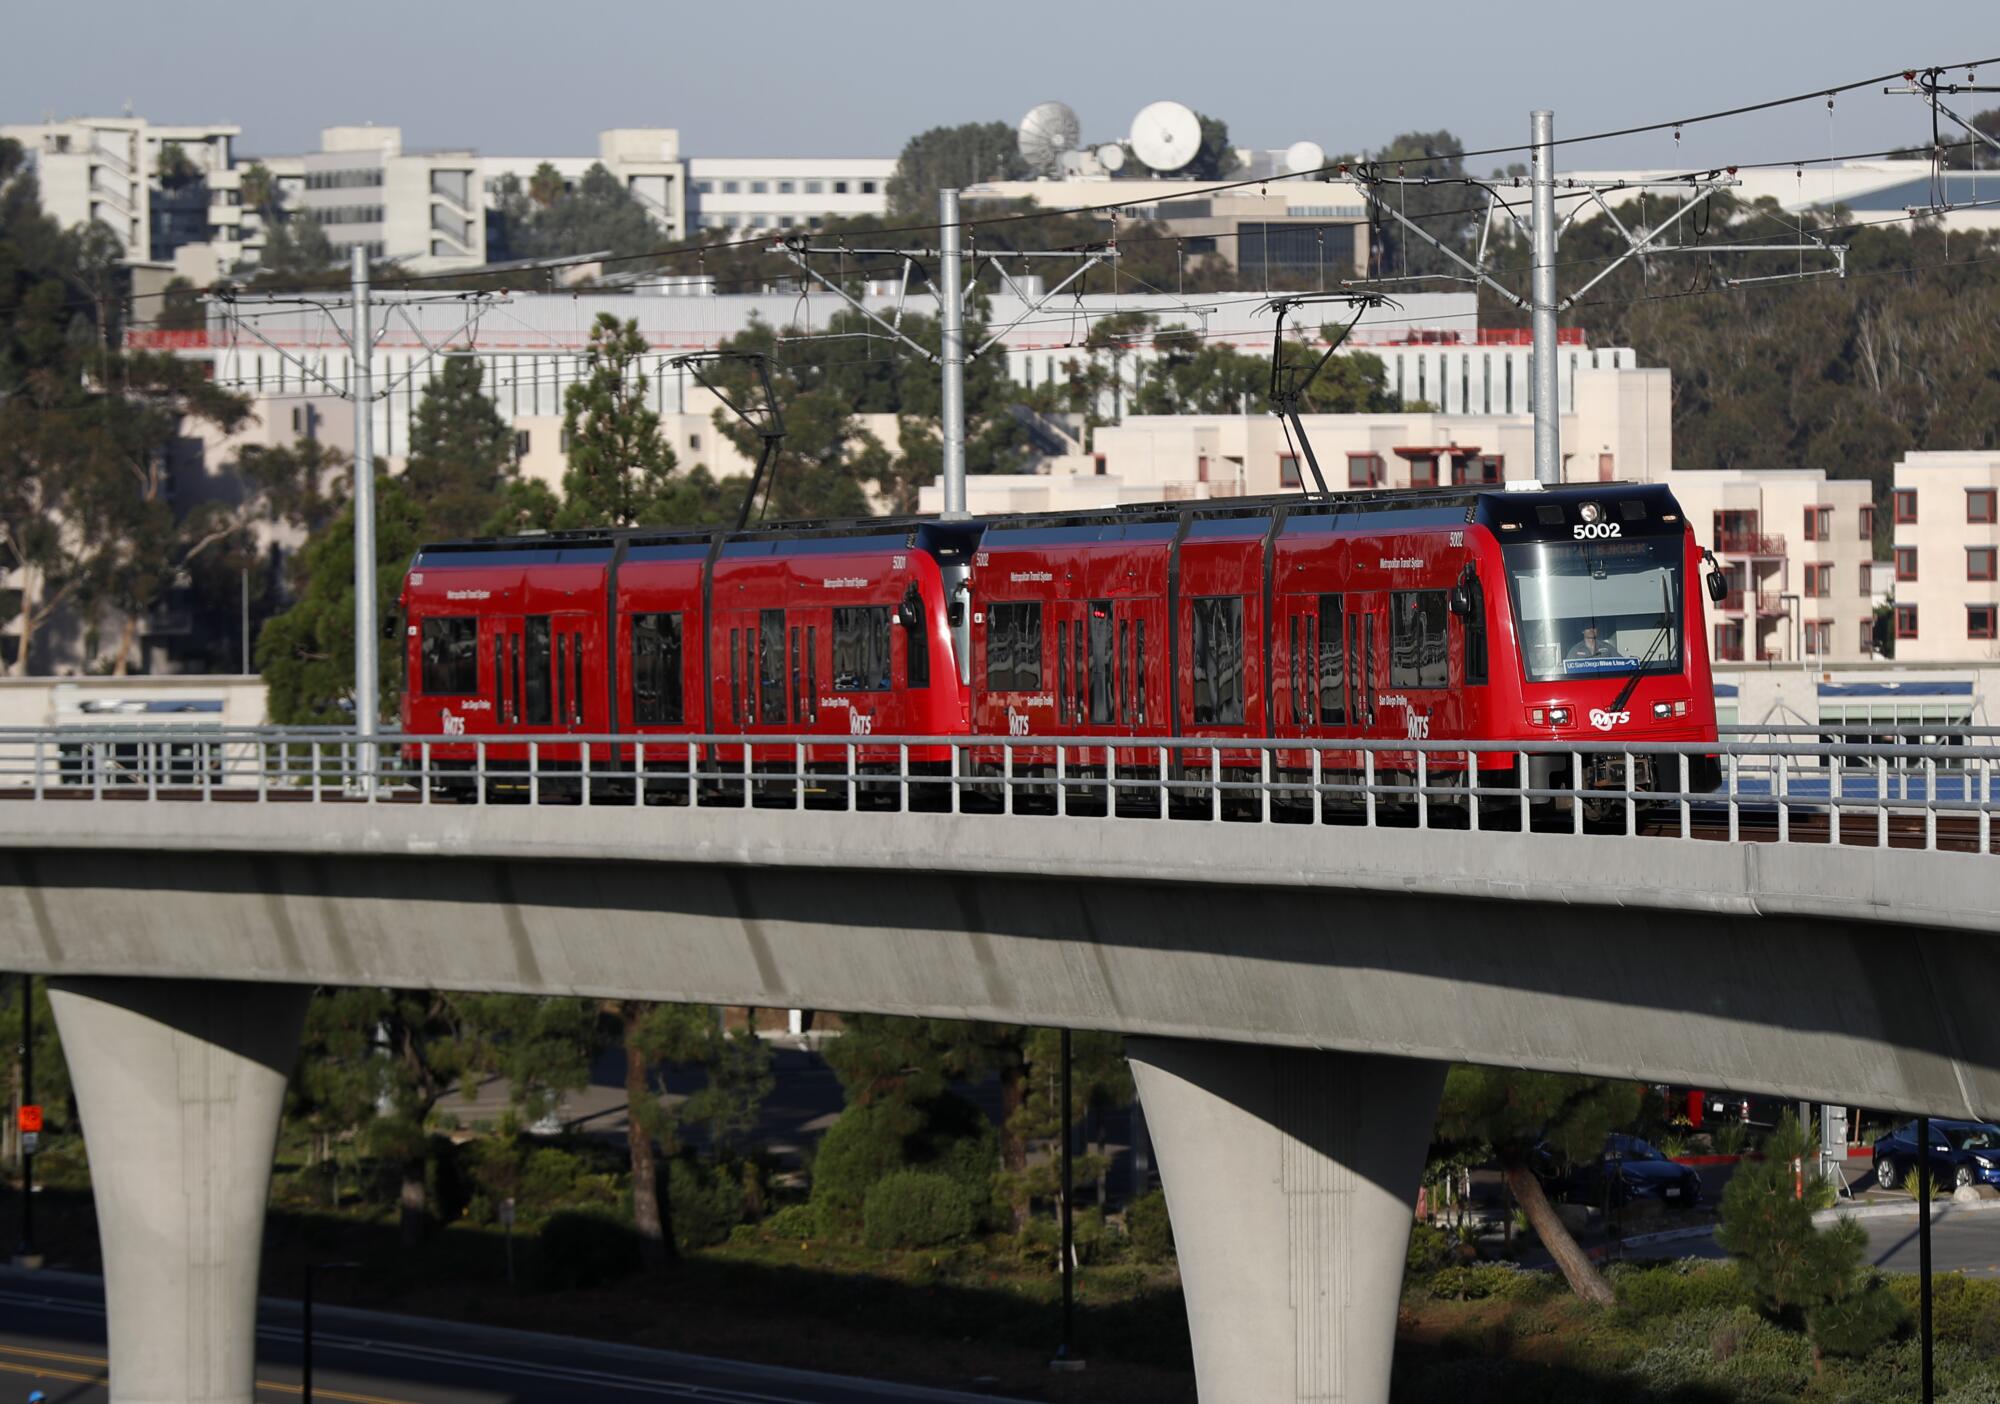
[[1628, 1169], [1962, 1153]]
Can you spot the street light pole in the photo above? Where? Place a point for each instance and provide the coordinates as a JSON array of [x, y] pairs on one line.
[[1064, 1359], [1924, 1251], [306, 1329], [24, 1254], [951, 354]]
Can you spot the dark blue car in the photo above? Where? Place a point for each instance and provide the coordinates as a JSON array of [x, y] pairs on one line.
[[1628, 1170], [1962, 1153]]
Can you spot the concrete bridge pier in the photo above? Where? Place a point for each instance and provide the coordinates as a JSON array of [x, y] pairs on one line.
[[1291, 1177], [180, 1084]]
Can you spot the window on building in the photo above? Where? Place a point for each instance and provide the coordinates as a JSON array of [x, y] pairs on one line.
[[704, 187], [1906, 505], [861, 648], [840, 187], [1014, 647], [760, 187], [521, 442], [1906, 563], [1424, 471], [1819, 523], [1906, 621], [1979, 505], [1980, 562], [1866, 575], [1981, 623], [732, 187], [867, 187], [1364, 470], [1607, 467], [1819, 582], [1867, 518], [1819, 638], [1288, 470], [1218, 660], [1867, 640], [656, 669], [451, 657], [1729, 642], [1417, 638]]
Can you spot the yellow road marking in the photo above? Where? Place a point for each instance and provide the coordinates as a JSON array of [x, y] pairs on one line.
[[100, 1362]]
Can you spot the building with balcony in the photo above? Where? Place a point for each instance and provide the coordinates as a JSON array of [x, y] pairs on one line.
[[744, 196], [1797, 549], [1946, 508], [158, 189], [423, 209]]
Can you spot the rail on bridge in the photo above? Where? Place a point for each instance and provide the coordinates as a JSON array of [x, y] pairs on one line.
[[1290, 1147]]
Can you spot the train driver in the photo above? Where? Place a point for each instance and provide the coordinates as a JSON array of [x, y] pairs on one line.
[[1593, 644]]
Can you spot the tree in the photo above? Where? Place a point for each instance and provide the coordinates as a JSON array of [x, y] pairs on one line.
[[1802, 1275], [173, 167], [1215, 158], [1515, 1111], [180, 307], [1100, 1079], [1447, 212], [546, 186], [306, 654], [258, 188], [1114, 337], [294, 249], [548, 221], [461, 451], [620, 469], [951, 158]]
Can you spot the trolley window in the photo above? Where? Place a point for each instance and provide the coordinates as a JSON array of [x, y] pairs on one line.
[[812, 672], [656, 670], [735, 680], [1588, 607], [1417, 651], [1103, 667], [1218, 660], [1014, 647], [917, 639], [535, 672], [1139, 670], [771, 667], [861, 648], [1063, 713], [1332, 662], [798, 694], [451, 657]]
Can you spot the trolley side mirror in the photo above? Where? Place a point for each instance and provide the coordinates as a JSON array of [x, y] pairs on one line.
[[1464, 598], [1718, 586]]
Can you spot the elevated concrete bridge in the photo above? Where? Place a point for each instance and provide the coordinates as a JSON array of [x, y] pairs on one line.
[[1292, 994]]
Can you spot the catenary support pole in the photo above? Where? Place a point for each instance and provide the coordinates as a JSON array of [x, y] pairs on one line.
[[1066, 1350], [180, 1084], [366, 690], [951, 335], [1548, 424], [1291, 1177]]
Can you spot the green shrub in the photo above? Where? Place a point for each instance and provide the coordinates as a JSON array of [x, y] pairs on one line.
[[792, 1221], [945, 1135], [1652, 1291], [1430, 1249], [1150, 1230], [580, 1248], [1964, 1310], [917, 1209], [1477, 1281], [705, 1202], [1856, 1324]]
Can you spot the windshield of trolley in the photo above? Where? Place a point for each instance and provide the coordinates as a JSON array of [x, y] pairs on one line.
[[1596, 607]]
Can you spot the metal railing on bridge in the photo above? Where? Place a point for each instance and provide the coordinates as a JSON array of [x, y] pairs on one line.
[[1786, 783]]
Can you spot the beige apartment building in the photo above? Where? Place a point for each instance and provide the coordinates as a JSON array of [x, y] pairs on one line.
[[1797, 549], [1946, 604]]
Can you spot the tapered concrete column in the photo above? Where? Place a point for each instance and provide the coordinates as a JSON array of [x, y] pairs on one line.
[[1291, 1178], [180, 1083]]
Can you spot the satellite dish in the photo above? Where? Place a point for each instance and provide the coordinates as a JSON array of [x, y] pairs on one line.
[[1303, 156], [1049, 129], [1166, 135], [1111, 156]]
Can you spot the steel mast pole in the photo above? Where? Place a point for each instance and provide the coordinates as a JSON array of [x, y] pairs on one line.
[[367, 690], [1548, 443], [951, 327]]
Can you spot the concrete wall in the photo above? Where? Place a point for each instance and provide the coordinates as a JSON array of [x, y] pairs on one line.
[[1856, 976]]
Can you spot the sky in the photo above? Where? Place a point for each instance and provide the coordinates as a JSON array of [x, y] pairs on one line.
[[780, 77]]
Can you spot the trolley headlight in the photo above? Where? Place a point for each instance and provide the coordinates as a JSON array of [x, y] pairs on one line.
[[1663, 709], [1559, 716]]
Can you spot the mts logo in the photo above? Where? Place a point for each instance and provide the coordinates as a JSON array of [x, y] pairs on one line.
[[1604, 721]]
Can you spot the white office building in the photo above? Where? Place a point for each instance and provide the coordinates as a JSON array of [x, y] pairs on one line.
[[743, 196], [158, 189], [1947, 557]]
